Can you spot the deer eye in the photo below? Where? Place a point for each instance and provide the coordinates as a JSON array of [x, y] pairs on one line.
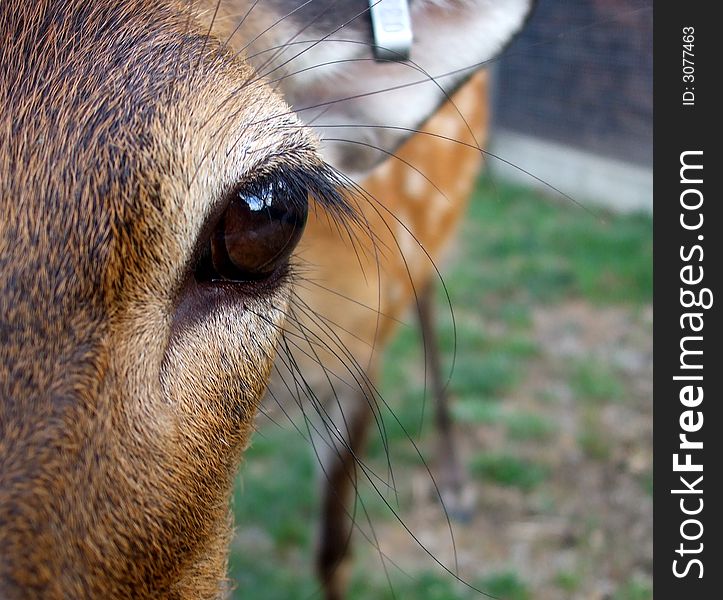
[[260, 227]]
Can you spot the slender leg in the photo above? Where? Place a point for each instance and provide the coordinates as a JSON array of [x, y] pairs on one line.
[[338, 486], [451, 475]]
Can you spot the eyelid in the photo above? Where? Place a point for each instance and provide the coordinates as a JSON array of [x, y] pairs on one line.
[[318, 181], [321, 181]]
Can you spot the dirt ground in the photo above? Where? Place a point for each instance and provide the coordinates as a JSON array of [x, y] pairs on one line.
[[587, 531]]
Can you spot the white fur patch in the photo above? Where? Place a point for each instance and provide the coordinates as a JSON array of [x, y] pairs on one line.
[[393, 97]]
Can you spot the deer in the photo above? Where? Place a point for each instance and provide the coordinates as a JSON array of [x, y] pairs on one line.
[[155, 182], [348, 309]]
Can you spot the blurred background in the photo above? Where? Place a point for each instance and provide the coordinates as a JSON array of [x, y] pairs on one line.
[[573, 102], [550, 339]]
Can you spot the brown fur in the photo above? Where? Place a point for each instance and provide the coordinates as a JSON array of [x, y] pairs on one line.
[[123, 409], [127, 390], [412, 204]]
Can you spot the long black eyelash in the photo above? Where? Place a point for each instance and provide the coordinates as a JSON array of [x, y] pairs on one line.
[[319, 182], [324, 185]]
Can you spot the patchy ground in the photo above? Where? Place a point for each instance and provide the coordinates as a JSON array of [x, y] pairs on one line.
[[565, 508]]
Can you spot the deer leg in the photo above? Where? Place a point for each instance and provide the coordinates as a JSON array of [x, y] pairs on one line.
[[451, 475], [343, 444]]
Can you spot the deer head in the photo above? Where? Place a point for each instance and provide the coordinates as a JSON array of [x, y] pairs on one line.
[[152, 188]]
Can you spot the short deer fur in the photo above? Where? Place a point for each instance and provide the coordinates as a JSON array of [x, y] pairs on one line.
[[128, 387]]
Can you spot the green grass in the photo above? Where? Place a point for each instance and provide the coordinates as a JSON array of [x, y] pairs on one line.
[[518, 250], [594, 444], [646, 481], [519, 425], [594, 382], [278, 451], [508, 470], [634, 590], [484, 376], [435, 586], [423, 586], [528, 250], [568, 581], [473, 411], [505, 586], [592, 438], [528, 426], [275, 492]]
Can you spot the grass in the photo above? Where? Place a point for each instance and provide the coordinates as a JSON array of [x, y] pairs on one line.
[[424, 586], [275, 492], [567, 581], [529, 250], [519, 250], [634, 589], [594, 382], [519, 425], [278, 451], [528, 426], [594, 443], [505, 586], [646, 481], [508, 470], [473, 411]]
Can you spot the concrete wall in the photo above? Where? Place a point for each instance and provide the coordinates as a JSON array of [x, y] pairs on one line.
[[590, 179]]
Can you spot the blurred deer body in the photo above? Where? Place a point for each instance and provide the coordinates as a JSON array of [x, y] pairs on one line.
[[358, 289], [129, 382], [357, 285]]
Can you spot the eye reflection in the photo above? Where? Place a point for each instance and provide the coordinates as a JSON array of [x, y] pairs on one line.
[[257, 233], [256, 203]]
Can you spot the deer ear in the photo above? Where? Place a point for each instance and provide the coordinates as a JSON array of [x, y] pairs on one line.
[[362, 107]]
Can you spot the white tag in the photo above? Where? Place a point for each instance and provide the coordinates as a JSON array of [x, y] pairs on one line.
[[392, 27]]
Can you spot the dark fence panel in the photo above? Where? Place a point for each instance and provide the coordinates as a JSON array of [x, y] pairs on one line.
[[582, 74]]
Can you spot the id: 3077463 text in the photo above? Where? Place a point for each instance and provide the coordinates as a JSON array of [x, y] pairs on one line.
[[688, 66]]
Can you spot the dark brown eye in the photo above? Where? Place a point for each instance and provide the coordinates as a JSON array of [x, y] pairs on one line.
[[257, 232]]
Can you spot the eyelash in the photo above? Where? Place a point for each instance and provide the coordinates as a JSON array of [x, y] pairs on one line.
[[261, 222]]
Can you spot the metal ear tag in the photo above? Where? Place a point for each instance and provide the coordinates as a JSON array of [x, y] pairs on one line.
[[392, 27]]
